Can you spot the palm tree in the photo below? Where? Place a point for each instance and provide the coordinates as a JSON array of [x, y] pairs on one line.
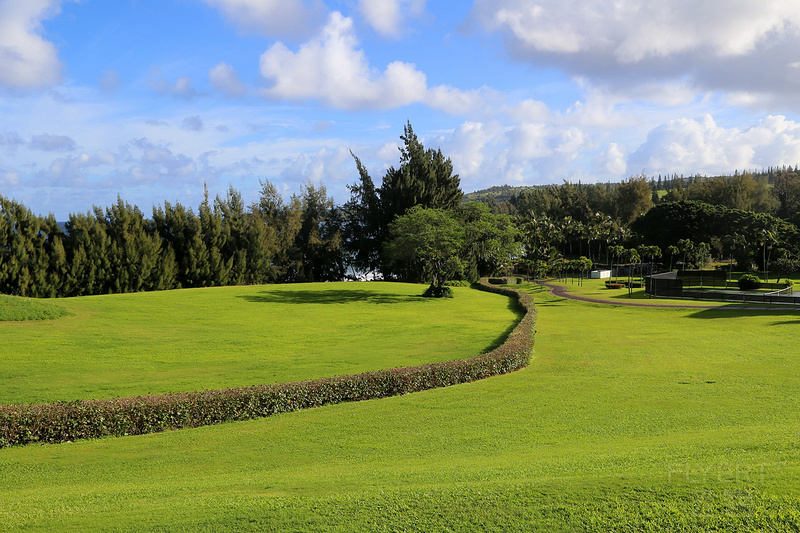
[[672, 251], [616, 251]]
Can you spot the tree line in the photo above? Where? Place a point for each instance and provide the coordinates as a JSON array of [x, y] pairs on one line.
[[413, 225], [118, 249]]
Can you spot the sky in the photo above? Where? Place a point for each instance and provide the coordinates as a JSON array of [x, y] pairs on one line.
[[151, 100]]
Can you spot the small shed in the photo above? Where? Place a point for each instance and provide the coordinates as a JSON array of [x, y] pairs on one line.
[[600, 274]]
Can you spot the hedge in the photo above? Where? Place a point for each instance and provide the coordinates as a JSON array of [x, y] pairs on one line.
[[85, 419]]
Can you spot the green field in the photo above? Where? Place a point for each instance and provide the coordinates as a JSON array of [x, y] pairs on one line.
[[627, 419], [173, 341]]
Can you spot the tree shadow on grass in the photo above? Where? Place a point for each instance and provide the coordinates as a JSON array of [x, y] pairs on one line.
[[728, 311], [333, 296]]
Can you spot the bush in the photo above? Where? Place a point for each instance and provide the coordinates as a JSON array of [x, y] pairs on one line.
[[457, 283], [438, 292], [511, 280], [749, 282], [68, 421]]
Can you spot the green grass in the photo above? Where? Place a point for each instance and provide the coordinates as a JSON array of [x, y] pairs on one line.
[[173, 341], [17, 309], [596, 288], [627, 419]]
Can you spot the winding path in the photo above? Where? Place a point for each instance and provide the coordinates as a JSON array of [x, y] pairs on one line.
[[561, 292]]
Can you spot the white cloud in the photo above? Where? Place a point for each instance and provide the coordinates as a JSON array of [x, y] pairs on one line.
[[274, 18], [458, 102], [74, 169], [707, 45], [332, 167], [225, 79], [612, 160], [52, 143], [701, 146], [9, 177], [388, 16], [330, 69], [26, 59]]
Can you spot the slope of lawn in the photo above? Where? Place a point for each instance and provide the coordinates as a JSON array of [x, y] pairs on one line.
[[173, 341], [627, 419], [15, 308]]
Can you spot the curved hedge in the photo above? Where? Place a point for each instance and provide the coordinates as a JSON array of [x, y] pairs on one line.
[[68, 421]]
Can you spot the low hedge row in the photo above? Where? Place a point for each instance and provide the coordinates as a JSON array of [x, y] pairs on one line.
[[69, 421]]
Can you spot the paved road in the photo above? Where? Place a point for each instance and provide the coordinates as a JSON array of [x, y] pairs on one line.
[[561, 291]]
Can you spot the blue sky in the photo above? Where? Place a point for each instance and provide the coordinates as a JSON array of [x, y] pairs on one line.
[[149, 100]]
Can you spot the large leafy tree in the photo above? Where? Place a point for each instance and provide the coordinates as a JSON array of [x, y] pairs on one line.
[[432, 238]]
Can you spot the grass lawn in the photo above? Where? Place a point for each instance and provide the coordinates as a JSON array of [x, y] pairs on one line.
[[173, 341], [627, 419], [596, 288]]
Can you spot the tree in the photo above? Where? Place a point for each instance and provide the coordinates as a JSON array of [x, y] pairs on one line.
[[633, 199], [785, 265], [492, 240], [616, 251], [318, 242], [432, 238], [425, 177]]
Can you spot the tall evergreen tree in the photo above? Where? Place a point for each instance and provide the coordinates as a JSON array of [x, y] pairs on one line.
[[424, 178]]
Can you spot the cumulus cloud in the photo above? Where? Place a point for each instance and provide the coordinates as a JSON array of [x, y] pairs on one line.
[[330, 166], [194, 123], [26, 59], [612, 160], [52, 143], [75, 169], [701, 146], [387, 17], [330, 69], [710, 44], [225, 79], [459, 102], [274, 18]]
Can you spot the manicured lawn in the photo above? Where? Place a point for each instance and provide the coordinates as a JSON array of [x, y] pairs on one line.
[[627, 419], [173, 341], [596, 288]]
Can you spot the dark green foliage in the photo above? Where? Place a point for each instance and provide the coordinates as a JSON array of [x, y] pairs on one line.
[[424, 178], [68, 421], [492, 240], [432, 240], [742, 233], [438, 292], [117, 250], [749, 282]]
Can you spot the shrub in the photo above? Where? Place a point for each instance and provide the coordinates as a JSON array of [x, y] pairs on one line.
[[749, 282], [438, 292], [457, 283], [68, 421]]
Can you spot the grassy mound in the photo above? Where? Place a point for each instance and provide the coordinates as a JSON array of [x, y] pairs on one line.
[[127, 345], [15, 308]]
